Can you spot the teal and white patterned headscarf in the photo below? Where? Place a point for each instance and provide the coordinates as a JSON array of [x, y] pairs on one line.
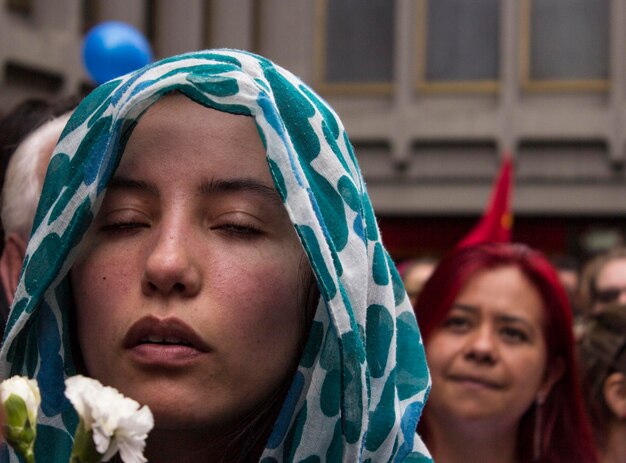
[[362, 379]]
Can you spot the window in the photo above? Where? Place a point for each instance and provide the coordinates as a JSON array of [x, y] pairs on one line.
[[459, 161], [565, 45], [458, 45], [20, 6], [562, 161], [152, 23], [355, 45], [375, 159], [27, 77], [207, 30]]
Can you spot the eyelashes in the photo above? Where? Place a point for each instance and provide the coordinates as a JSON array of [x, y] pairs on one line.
[[238, 228], [235, 228], [122, 226]]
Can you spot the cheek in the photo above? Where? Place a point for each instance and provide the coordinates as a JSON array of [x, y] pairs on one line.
[[100, 287], [259, 278], [261, 296], [261, 309], [529, 369], [440, 352]]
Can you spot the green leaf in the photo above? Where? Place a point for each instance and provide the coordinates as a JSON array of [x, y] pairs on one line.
[[20, 433], [15, 411], [84, 449], [22, 439]]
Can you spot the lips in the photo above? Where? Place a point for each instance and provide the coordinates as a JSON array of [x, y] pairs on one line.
[[163, 342], [477, 380]]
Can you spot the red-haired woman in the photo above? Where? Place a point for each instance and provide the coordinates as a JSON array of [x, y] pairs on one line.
[[498, 335]]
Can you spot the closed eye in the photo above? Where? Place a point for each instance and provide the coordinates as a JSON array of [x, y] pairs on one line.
[[123, 226], [240, 229]]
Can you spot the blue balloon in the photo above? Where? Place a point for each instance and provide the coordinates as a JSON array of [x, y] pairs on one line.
[[114, 48]]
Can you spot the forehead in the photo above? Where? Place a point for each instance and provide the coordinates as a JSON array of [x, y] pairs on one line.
[[176, 112], [504, 291], [613, 273], [176, 132]]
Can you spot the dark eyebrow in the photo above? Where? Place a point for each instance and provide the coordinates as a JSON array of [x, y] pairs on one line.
[[124, 183], [465, 307], [511, 319], [213, 186], [501, 317]]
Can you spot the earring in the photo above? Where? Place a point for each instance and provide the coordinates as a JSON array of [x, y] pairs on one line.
[[538, 431]]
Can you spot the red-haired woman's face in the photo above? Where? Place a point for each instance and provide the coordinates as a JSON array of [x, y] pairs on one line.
[[488, 358]]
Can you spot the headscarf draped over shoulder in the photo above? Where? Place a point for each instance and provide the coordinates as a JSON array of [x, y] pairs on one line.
[[362, 379]]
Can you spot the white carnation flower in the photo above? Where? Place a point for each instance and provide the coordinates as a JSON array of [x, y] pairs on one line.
[[117, 422], [20, 402], [27, 390]]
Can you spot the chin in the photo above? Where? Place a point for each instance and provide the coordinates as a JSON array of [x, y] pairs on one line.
[[179, 408], [205, 421], [168, 419], [497, 417]]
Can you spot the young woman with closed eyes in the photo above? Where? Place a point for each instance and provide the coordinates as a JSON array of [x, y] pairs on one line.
[[205, 244]]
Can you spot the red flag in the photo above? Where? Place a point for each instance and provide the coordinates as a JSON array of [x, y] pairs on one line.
[[497, 220]]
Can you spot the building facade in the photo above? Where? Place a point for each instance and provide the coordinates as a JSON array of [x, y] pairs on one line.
[[433, 93]]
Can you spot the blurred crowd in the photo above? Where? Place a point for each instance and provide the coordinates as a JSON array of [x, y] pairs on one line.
[[527, 355]]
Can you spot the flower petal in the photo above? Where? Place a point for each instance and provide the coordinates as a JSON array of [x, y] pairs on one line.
[[117, 421], [101, 438], [131, 450], [26, 389]]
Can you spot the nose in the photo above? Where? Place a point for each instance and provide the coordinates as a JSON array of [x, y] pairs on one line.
[[482, 346], [170, 267]]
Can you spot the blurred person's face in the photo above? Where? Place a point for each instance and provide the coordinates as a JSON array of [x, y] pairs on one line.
[[416, 277], [570, 280], [610, 285], [40, 143], [488, 358], [189, 284]]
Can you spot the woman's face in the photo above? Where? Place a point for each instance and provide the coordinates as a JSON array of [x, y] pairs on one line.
[[488, 358], [610, 284], [190, 283]]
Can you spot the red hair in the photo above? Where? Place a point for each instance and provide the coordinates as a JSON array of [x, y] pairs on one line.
[[566, 432]]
